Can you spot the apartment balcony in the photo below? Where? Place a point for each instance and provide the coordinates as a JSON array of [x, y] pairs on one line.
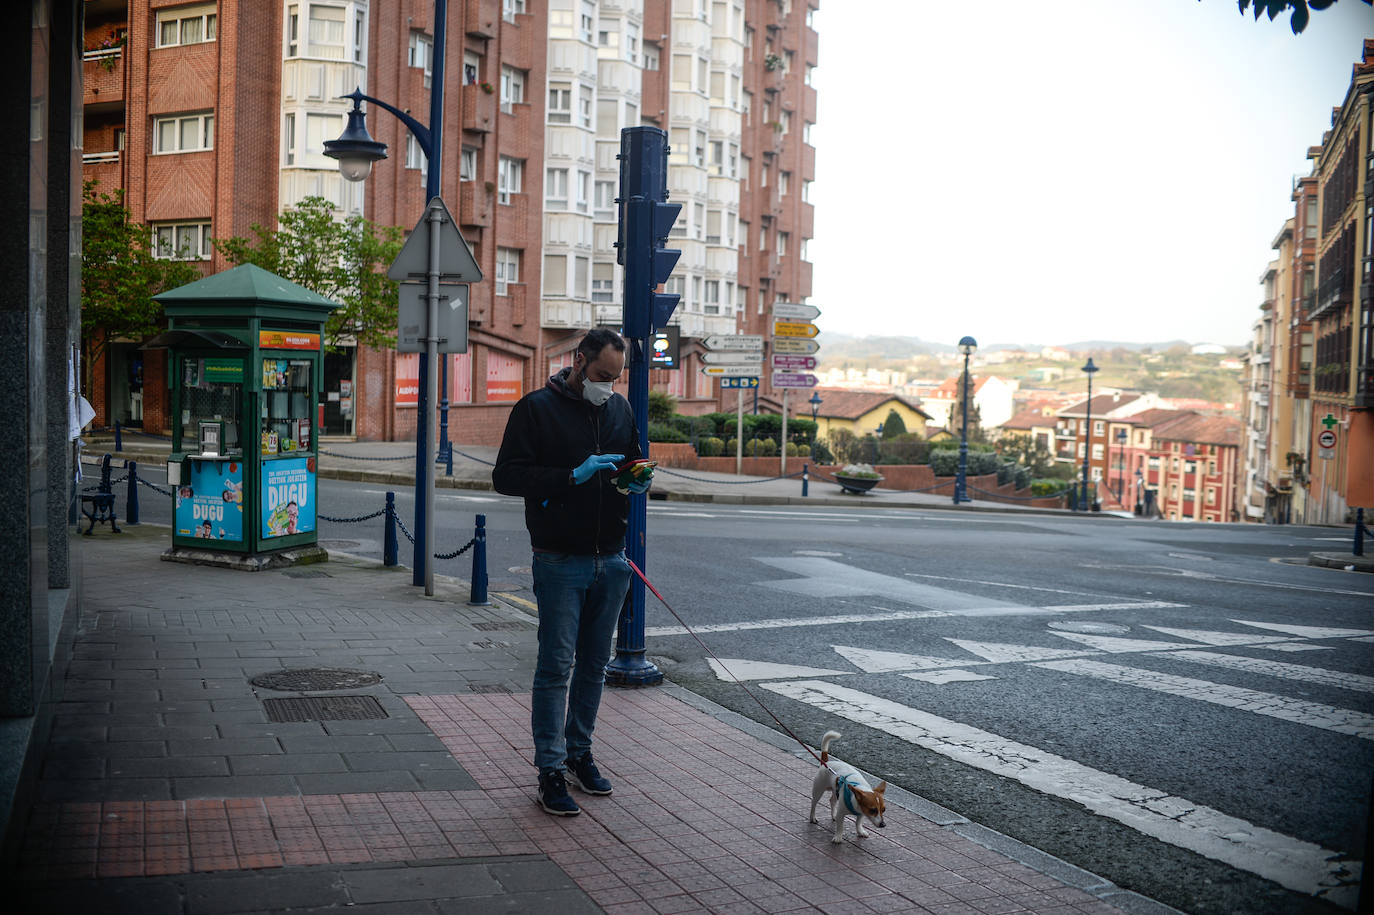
[[102, 73], [808, 106], [806, 224], [479, 109], [1334, 291], [474, 204], [1364, 367], [481, 18], [808, 162], [104, 169], [514, 302]]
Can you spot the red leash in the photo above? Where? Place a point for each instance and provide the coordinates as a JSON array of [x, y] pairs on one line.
[[722, 663]]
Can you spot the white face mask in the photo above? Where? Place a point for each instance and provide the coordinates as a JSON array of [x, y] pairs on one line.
[[596, 392]]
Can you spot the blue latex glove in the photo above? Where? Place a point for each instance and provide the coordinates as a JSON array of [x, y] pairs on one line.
[[641, 487], [596, 462]]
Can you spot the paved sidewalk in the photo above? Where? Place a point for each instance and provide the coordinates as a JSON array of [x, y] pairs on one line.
[[168, 788]]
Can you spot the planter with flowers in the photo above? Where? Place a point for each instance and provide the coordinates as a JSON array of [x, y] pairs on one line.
[[858, 478]]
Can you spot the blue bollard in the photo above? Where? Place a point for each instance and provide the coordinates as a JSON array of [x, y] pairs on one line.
[[479, 564], [389, 546], [131, 500], [119, 438], [1359, 532], [806, 477]]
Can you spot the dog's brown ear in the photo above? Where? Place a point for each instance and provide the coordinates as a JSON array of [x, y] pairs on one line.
[[882, 786]]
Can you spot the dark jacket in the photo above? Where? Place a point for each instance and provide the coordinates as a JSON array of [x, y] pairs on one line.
[[551, 431]]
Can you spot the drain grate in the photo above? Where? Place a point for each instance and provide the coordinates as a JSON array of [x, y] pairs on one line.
[[307, 573], [324, 708], [488, 688], [504, 625], [309, 679]]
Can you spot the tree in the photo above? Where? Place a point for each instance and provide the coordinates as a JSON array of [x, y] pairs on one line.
[[662, 407], [893, 426], [1026, 451], [341, 260], [120, 274], [1297, 21]]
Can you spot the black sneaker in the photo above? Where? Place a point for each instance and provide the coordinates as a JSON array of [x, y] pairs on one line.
[[584, 774], [553, 795]]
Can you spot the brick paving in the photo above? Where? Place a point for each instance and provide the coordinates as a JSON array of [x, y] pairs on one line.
[[166, 788]]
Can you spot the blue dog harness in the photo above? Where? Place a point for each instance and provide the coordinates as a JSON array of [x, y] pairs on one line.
[[845, 789]]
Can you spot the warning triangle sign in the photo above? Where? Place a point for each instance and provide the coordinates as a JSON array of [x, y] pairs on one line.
[[456, 263]]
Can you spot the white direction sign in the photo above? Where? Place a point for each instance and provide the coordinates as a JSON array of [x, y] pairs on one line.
[[798, 345], [728, 358], [731, 371], [411, 314], [789, 312], [456, 263], [734, 342]]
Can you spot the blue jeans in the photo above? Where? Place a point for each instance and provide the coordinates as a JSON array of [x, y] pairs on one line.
[[579, 603]]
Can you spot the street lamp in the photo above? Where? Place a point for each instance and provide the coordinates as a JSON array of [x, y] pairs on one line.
[[1120, 465], [356, 151], [1139, 492], [1088, 433], [967, 346], [815, 402]]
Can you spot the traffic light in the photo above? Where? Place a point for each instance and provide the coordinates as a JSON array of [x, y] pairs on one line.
[[645, 222]]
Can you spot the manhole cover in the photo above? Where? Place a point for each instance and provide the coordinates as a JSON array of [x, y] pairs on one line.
[[309, 679], [1091, 628], [504, 625], [324, 708]]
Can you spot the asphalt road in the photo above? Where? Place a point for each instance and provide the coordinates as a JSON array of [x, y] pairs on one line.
[[1187, 710]]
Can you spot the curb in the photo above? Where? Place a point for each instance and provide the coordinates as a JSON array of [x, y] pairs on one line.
[[1347, 562]]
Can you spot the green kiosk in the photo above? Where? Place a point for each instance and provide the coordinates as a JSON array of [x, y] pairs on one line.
[[245, 369]]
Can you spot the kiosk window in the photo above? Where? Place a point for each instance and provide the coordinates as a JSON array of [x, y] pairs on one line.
[[285, 405], [211, 391]]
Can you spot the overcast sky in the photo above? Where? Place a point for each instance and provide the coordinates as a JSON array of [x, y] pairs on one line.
[[1053, 172]]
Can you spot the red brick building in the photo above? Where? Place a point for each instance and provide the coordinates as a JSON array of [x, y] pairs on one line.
[[211, 117]]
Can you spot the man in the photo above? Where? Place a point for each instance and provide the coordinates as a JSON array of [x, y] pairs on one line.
[[561, 447]]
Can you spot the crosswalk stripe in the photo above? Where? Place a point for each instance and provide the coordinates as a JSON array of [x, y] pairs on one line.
[[1116, 645], [1277, 669], [1312, 714], [872, 661], [1307, 632], [743, 669], [999, 653], [1219, 638], [1288, 861]]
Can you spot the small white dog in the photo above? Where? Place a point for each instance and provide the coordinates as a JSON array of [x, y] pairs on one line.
[[849, 794]]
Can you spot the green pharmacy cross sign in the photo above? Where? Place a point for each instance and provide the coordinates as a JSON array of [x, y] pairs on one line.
[[1330, 421]]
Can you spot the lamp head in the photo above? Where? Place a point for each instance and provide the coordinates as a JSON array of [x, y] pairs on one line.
[[967, 346], [355, 149], [815, 398], [1090, 368]]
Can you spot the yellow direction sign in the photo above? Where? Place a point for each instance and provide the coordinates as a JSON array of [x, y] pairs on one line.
[[794, 329]]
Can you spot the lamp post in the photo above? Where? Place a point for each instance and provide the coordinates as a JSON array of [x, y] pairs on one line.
[[1089, 369], [1139, 492], [356, 151], [815, 403], [1120, 465], [967, 346]]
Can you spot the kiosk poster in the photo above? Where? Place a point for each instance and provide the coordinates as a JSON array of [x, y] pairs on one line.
[[288, 497], [209, 506]]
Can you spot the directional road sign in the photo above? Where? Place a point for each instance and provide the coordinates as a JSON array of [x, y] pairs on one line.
[[794, 329], [783, 311], [794, 380], [795, 345], [456, 263], [731, 371], [739, 382], [790, 363], [411, 314], [735, 358], [734, 342]]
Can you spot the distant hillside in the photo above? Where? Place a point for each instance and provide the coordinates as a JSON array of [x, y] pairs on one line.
[[844, 346]]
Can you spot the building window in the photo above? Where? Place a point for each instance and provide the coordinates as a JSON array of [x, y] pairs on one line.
[[359, 37], [806, 132], [415, 155], [188, 241], [1189, 495], [511, 8], [422, 54], [472, 68], [699, 221], [584, 190], [603, 282], [1097, 451], [699, 150], [1098, 427], [587, 22], [580, 265], [293, 30], [632, 42], [186, 25], [783, 239], [467, 164], [712, 301], [1211, 495], [732, 161], [556, 189], [318, 128], [584, 105], [508, 174], [1190, 467], [507, 268], [512, 88], [651, 57], [560, 103], [784, 182], [185, 133], [713, 227], [605, 198], [555, 276], [325, 33], [288, 139]]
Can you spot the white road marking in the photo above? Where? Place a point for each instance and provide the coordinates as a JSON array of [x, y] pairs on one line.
[[998, 584], [792, 622], [677, 514], [1312, 714], [1278, 669], [828, 578], [941, 677], [1291, 862], [999, 653], [1307, 632], [880, 662], [1217, 638], [1297, 646], [1115, 645], [741, 669], [1365, 638]]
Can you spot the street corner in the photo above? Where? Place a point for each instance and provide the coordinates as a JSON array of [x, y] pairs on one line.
[[1345, 562]]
